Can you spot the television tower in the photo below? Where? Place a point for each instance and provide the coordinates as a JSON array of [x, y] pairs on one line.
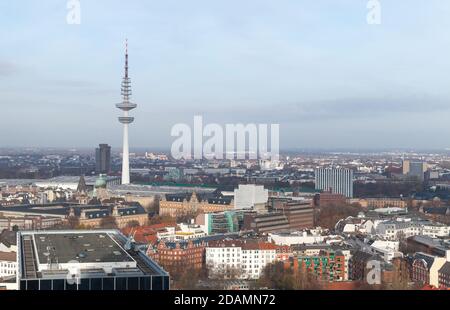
[[126, 106]]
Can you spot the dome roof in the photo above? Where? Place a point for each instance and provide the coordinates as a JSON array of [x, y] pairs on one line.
[[101, 181]]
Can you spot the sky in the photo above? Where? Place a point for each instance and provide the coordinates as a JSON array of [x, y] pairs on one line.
[[317, 68]]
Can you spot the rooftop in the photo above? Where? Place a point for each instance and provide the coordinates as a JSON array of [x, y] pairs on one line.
[[96, 253], [85, 248]]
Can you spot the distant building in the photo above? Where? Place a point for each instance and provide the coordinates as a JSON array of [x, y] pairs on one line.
[[240, 259], [177, 257], [444, 275], [384, 202], [336, 180], [8, 264], [425, 267], [358, 265], [299, 214], [190, 203], [29, 222], [414, 169], [405, 228], [221, 222], [85, 260], [8, 241], [250, 196], [328, 265], [266, 223], [72, 182], [87, 215], [103, 159], [328, 198]]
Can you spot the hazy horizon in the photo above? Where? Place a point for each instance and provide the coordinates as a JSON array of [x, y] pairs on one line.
[[317, 68]]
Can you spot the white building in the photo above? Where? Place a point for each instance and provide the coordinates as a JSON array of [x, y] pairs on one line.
[[386, 249], [248, 196], [185, 232], [8, 264], [356, 225], [405, 228], [239, 259], [303, 237], [269, 165]]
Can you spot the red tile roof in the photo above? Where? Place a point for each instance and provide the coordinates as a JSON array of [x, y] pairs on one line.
[[8, 256]]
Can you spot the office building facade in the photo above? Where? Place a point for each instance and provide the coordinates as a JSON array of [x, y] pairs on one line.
[[103, 159], [336, 180]]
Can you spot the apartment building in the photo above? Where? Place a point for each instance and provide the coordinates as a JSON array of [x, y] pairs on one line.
[[244, 259]]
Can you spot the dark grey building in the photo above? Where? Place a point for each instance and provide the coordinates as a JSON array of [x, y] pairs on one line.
[[336, 180], [103, 159], [85, 260]]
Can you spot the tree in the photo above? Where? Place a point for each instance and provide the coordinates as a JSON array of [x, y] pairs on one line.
[[277, 276], [133, 224], [158, 219], [305, 279], [329, 214], [187, 279], [225, 273]]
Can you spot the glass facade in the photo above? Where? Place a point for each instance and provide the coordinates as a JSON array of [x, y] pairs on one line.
[[99, 284]]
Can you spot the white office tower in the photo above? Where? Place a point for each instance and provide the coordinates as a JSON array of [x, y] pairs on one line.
[[336, 180], [126, 106]]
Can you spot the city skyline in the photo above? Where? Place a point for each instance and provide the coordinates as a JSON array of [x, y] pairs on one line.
[[330, 82]]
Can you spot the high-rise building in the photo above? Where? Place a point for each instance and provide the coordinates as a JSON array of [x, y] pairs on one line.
[[126, 105], [335, 180], [103, 159], [414, 169]]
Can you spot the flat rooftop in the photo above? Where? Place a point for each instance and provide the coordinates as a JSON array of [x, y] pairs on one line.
[[85, 248], [100, 252]]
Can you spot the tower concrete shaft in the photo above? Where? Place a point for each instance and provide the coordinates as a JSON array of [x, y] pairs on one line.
[[126, 105]]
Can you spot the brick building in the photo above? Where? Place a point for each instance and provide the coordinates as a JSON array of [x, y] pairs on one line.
[[176, 257], [328, 265], [444, 275], [300, 214]]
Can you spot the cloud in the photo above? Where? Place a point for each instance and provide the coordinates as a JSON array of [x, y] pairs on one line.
[[323, 110], [7, 69], [363, 108]]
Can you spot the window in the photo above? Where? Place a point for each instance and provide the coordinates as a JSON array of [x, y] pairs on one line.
[[46, 285], [133, 283], [96, 284], [157, 283], [58, 285], [121, 284], [108, 284]]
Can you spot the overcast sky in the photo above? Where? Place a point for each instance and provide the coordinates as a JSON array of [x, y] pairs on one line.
[[315, 67]]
